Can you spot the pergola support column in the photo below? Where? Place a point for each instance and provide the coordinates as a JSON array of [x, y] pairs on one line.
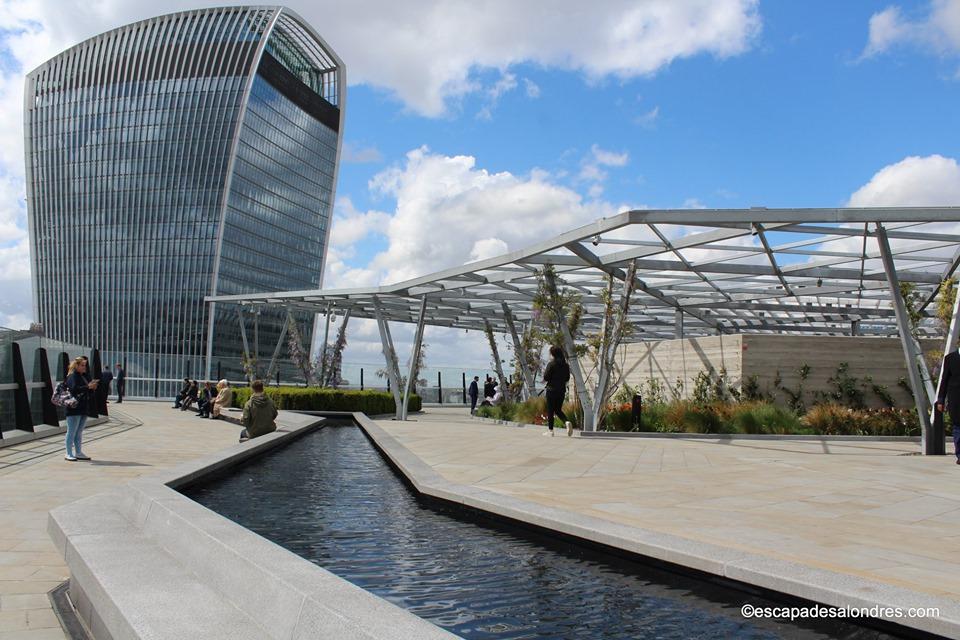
[[417, 342], [243, 338], [323, 347], [276, 350], [527, 375], [911, 353], [678, 324], [389, 355]]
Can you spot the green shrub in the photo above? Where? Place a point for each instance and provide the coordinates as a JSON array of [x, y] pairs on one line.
[[765, 417], [487, 412], [532, 411], [316, 399]]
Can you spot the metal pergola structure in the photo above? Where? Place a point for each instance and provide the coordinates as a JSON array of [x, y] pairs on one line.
[[697, 272]]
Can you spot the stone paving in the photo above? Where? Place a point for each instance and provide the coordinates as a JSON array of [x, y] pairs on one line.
[[870, 509], [141, 438]]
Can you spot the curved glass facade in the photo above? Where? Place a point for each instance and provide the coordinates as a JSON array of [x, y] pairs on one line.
[[187, 155]]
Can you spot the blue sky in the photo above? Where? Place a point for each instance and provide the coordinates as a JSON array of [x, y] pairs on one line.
[[474, 128]]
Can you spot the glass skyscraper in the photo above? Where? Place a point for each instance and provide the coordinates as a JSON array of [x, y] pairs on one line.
[[186, 155]]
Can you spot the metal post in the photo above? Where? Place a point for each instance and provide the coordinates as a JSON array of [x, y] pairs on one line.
[[323, 347], [910, 351], [464, 387], [854, 328], [256, 345], [243, 336], [417, 340], [678, 324], [156, 379], [439, 388], [361, 378], [213, 307], [276, 351], [520, 351], [390, 355]]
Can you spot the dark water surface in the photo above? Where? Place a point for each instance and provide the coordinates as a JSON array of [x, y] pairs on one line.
[[331, 498]]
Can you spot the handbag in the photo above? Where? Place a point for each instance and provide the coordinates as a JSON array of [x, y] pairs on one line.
[[63, 398]]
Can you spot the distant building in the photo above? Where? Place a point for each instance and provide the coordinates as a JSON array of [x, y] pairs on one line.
[[186, 155]]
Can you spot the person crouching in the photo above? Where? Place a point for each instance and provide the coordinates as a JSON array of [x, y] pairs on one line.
[[259, 414]]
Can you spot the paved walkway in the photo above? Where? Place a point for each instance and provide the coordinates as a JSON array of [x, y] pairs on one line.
[[869, 509], [142, 438]]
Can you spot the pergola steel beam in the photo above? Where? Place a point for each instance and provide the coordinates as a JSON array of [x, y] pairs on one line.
[[910, 352]]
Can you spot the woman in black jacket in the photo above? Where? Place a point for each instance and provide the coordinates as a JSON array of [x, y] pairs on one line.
[[556, 376], [82, 389]]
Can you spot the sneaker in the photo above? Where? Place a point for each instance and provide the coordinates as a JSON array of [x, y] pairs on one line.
[[69, 458], [569, 428], [548, 433], [80, 456]]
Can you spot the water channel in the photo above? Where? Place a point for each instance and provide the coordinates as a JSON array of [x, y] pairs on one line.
[[331, 498]]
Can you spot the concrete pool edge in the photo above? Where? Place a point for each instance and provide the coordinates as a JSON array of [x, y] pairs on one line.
[[146, 561], [753, 569]]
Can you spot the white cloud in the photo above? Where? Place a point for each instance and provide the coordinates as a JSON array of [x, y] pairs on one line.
[[351, 225], [914, 181], [590, 168], [488, 248], [447, 209], [937, 31], [532, 88], [609, 158], [649, 118]]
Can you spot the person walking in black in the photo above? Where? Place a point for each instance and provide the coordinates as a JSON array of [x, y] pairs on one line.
[[950, 391], [103, 389], [121, 379], [473, 392], [556, 376]]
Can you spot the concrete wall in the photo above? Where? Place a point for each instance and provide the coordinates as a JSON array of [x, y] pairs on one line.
[[763, 355], [668, 360]]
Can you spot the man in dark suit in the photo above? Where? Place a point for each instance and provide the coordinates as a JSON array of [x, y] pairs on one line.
[[103, 389], [473, 392], [121, 379], [950, 390]]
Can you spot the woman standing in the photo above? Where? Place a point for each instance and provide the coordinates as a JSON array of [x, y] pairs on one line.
[[81, 388], [556, 376]]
